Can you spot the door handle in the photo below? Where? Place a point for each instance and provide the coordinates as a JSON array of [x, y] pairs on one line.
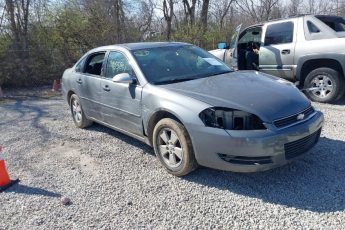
[[106, 88], [79, 81], [285, 52]]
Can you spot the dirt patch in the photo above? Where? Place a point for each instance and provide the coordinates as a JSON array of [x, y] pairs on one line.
[[72, 154]]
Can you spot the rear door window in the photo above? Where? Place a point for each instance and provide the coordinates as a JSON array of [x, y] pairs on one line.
[[94, 64], [279, 33]]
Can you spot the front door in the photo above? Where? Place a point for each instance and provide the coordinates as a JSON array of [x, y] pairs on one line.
[[276, 56], [121, 101]]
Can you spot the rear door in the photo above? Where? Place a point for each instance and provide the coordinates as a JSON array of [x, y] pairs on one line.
[[121, 102], [88, 84], [276, 56]]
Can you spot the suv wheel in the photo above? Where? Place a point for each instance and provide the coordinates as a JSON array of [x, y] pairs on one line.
[[173, 147], [78, 115], [324, 85]]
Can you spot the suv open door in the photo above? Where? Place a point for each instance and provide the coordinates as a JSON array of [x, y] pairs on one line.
[[228, 53], [231, 57]]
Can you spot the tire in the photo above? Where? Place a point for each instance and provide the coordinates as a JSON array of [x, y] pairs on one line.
[[79, 118], [325, 84], [173, 147]]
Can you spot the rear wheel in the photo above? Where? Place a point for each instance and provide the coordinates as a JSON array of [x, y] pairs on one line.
[[79, 118], [324, 85], [173, 147]]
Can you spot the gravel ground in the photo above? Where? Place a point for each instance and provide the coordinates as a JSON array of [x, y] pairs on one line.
[[116, 182]]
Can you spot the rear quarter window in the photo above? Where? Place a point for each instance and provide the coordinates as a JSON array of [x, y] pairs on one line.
[[79, 67], [312, 27], [336, 23]]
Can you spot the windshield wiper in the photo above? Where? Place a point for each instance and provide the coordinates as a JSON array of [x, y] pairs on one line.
[[214, 74], [174, 80]]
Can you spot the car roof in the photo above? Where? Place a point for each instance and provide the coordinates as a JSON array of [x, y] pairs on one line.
[[275, 20], [146, 45], [140, 45], [292, 17], [328, 16]]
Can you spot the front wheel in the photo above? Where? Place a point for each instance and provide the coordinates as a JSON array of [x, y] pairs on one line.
[[173, 147], [324, 85]]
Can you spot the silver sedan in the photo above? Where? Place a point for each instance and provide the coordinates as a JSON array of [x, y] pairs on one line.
[[191, 108]]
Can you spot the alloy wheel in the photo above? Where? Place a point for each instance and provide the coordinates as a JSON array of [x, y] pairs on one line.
[[169, 147], [321, 86], [76, 109]]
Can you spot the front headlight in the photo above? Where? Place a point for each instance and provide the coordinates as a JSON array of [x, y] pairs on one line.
[[225, 118]]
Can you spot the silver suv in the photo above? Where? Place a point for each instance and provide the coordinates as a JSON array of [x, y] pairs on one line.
[[308, 50]]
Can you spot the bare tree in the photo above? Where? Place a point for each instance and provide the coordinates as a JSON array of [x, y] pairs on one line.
[[11, 13], [204, 15], [189, 9], [293, 8], [145, 20], [119, 20], [2, 14], [258, 10], [168, 11], [40, 10], [322, 7], [341, 9], [18, 16], [221, 10]]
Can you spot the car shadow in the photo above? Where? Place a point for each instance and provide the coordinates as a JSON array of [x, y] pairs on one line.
[[314, 182], [129, 140], [25, 110], [341, 101]]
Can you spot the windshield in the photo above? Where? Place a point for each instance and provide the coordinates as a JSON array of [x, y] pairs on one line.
[[170, 64]]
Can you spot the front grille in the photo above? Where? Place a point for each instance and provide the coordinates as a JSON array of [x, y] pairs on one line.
[[297, 148], [294, 118], [245, 160]]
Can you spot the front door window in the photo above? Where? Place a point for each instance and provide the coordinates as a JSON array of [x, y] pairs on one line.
[[117, 63]]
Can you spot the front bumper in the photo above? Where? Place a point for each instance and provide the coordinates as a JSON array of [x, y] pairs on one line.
[[251, 151]]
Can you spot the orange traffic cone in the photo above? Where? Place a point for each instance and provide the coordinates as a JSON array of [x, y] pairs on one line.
[[55, 86], [5, 181]]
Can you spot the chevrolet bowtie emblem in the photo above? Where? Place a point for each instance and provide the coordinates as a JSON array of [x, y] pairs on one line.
[[300, 116]]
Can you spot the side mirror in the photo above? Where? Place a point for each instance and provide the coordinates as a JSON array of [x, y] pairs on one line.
[[124, 78], [222, 45]]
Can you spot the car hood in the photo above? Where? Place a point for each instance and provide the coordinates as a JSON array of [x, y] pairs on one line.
[[266, 96]]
